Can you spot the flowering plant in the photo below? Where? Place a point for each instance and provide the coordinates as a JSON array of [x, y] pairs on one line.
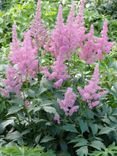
[[47, 95]]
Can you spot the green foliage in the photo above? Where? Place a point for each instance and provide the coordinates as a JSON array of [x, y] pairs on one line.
[[109, 151], [24, 151]]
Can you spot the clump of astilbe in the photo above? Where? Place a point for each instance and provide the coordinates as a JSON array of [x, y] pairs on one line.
[[37, 29], [67, 37], [67, 105], [94, 47], [92, 92]]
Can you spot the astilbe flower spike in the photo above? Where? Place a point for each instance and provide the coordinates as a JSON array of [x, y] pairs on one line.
[[59, 71], [89, 50], [37, 29], [92, 92], [24, 64], [94, 48], [58, 43], [67, 105], [13, 82], [25, 57]]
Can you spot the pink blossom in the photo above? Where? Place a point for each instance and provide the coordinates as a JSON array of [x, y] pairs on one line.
[[25, 57], [59, 71], [67, 105], [58, 83], [94, 48], [38, 31], [13, 81], [92, 92]]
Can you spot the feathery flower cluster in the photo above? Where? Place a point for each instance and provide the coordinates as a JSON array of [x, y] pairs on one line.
[[58, 71], [67, 105], [92, 92], [37, 29], [94, 48], [65, 38], [24, 56], [13, 81], [24, 64]]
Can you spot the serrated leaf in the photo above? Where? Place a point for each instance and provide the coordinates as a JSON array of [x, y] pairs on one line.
[[14, 109], [94, 128], [49, 109], [81, 142], [97, 145], [13, 136], [83, 151], [83, 126], [69, 128], [47, 139], [106, 130]]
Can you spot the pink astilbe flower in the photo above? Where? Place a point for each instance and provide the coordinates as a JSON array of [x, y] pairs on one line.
[[15, 42], [67, 105], [94, 48], [13, 81], [89, 49], [58, 43], [103, 45], [72, 33], [38, 31], [67, 37], [59, 71], [92, 92], [80, 16], [58, 83], [24, 56], [24, 64]]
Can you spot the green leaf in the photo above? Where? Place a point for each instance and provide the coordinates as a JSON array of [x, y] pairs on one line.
[[97, 145], [49, 109], [83, 126], [83, 151], [13, 135], [94, 128], [44, 85], [47, 139], [81, 142], [106, 130], [69, 128], [7, 122], [14, 109]]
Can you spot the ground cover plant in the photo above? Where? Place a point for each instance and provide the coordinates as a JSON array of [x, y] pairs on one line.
[[59, 88]]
